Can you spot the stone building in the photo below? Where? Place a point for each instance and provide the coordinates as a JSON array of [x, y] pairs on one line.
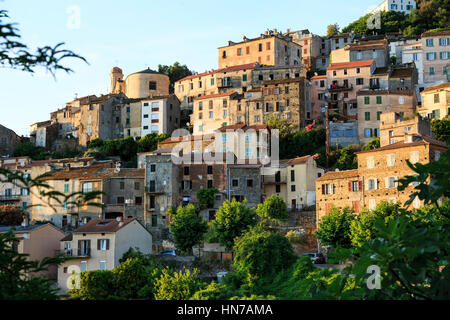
[[287, 100], [8, 141], [413, 53], [373, 103], [293, 180], [376, 177], [338, 41], [270, 48], [394, 129], [319, 92], [44, 134], [436, 55], [435, 102], [140, 84], [131, 118], [311, 47]]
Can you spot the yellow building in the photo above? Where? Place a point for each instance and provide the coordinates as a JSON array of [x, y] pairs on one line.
[[436, 101], [394, 129], [271, 48], [376, 177]]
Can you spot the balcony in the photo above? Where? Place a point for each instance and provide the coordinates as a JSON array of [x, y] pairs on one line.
[[75, 253], [153, 190], [10, 197], [337, 88], [224, 83]]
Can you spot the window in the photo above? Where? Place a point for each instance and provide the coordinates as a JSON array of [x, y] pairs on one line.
[[436, 98], [328, 188], [293, 188], [154, 220], [239, 51], [66, 188], [225, 113], [250, 183], [378, 100], [391, 182], [277, 188], [103, 244], [65, 205], [268, 46], [152, 185], [248, 152], [292, 175], [102, 265], [354, 186], [260, 47], [244, 77], [390, 160], [210, 170], [370, 162], [415, 57], [371, 184], [431, 56], [152, 167], [359, 81], [429, 42], [120, 200], [211, 114], [122, 185], [431, 70], [401, 100], [367, 116], [186, 171], [443, 55], [138, 200], [372, 204], [379, 115], [210, 184], [152, 85], [235, 182], [87, 187]]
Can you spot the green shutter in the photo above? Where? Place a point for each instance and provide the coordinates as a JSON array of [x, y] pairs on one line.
[[378, 100], [367, 100], [244, 77], [378, 115], [367, 116], [212, 81], [440, 41]]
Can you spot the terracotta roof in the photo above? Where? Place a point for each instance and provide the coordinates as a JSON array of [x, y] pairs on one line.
[[228, 69], [100, 226], [298, 160], [411, 44], [356, 47], [319, 77], [158, 97], [188, 138], [386, 92], [331, 175], [104, 173], [215, 95], [353, 64], [436, 87], [283, 81], [69, 237], [379, 71], [402, 72], [435, 33], [424, 140], [254, 89], [243, 127], [75, 173]]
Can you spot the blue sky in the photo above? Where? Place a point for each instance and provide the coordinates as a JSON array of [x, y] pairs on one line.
[[135, 35]]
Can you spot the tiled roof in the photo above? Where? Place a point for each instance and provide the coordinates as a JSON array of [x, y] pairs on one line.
[[319, 77], [385, 92], [75, 173], [104, 173], [331, 175], [249, 66], [298, 160], [283, 81], [402, 72], [215, 95], [435, 33], [189, 138], [20, 228], [254, 89], [353, 64], [100, 226], [69, 237], [424, 140], [243, 127], [438, 86]]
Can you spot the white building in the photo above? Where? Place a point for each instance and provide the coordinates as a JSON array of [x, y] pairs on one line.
[[405, 6], [160, 115], [412, 52]]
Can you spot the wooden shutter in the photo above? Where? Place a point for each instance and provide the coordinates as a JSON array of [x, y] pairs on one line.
[[99, 244], [79, 247], [360, 185], [323, 189], [350, 186], [107, 244]]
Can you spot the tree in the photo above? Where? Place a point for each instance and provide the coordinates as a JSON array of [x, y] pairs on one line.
[[177, 286], [232, 219], [441, 129], [334, 229], [273, 208], [150, 141], [332, 29], [214, 291], [205, 198], [262, 253], [16, 282], [362, 229], [94, 285], [26, 149], [175, 73], [17, 55], [187, 228], [10, 215], [346, 159], [372, 144]]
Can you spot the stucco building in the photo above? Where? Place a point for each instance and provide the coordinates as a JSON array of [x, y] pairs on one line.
[[405, 6], [436, 56], [435, 102], [394, 129], [99, 245]]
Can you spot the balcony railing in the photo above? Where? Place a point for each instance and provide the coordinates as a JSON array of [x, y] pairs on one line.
[[10, 197], [75, 252], [336, 88]]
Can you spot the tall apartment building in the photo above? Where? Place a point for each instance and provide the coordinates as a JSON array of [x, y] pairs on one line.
[[376, 177], [160, 115], [436, 56], [270, 48]]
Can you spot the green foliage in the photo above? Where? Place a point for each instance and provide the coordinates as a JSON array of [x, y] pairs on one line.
[[262, 253], [232, 219], [295, 237], [26, 149], [346, 158], [97, 153], [94, 285], [175, 73], [332, 30], [273, 208], [436, 171], [15, 269], [441, 129], [205, 198], [38, 153], [177, 286], [372, 144], [17, 55], [187, 228], [362, 229], [214, 291], [431, 14], [334, 229], [10, 215], [150, 141]]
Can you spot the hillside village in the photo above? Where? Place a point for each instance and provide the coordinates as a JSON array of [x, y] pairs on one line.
[[216, 139]]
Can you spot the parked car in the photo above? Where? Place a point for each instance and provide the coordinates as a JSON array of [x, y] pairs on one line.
[[167, 253], [316, 258]]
